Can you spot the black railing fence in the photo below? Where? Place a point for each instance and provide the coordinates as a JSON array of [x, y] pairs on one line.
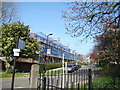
[[57, 79]]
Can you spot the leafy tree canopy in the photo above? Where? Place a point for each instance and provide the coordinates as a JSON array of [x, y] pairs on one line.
[[9, 35], [107, 46]]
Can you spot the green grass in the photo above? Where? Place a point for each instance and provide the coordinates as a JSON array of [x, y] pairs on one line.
[[49, 66], [56, 72], [107, 82], [99, 68], [5, 75]]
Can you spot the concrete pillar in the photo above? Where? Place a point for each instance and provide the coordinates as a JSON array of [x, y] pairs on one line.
[[34, 75]]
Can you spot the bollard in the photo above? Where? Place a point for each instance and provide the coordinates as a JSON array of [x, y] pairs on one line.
[[34, 76]]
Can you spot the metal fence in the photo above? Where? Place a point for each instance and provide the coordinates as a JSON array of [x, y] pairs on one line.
[[57, 79]]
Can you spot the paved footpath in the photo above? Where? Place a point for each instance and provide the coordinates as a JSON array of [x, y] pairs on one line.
[[20, 82]]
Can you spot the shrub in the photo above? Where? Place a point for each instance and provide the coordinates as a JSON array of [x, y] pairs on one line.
[[111, 70], [49, 66], [8, 70]]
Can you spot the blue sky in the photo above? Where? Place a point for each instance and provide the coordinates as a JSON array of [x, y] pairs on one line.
[[46, 17]]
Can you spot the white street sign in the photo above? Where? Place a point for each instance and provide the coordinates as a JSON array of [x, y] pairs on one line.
[[16, 52], [48, 51]]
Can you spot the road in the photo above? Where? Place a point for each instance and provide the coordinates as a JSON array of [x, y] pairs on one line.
[[23, 82]]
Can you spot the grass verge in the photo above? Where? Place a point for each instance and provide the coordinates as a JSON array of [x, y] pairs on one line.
[[5, 75], [106, 82], [99, 68], [55, 72]]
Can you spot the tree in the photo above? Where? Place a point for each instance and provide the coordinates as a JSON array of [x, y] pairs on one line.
[[88, 18], [94, 55], [108, 47], [10, 32], [8, 12], [80, 57]]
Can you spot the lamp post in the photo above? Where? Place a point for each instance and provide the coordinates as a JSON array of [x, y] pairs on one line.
[[48, 40], [47, 48], [48, 36]]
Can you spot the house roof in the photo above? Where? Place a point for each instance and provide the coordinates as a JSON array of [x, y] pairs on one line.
[[29, 60]]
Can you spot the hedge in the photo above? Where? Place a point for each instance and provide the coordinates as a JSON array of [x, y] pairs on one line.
[[49, 66]]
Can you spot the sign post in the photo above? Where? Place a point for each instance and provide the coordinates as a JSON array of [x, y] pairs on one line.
[[63, 69], [20, 44], [14, 64]]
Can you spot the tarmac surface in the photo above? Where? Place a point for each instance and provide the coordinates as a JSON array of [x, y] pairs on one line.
[[22, 82]]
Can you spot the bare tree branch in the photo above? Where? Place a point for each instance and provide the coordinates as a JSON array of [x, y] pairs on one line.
[[90, 17], [8, 12]]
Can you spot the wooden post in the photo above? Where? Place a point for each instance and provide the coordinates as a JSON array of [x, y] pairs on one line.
[[34, 75]]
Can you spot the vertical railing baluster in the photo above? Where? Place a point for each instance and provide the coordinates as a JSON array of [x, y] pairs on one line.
[[72, 84], [65, 78], [67, 83], [55, 77], [57, 83], [68, 79], [52, 83], [48, 83], [51, 79], [79, 76], [44, 81], [76, 77], [90, 79], [84, 77], [61, 79], [58, 77], [38, 84], [48, 79], [40, 81], [78, 86], [55, 74], [87, 76]]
